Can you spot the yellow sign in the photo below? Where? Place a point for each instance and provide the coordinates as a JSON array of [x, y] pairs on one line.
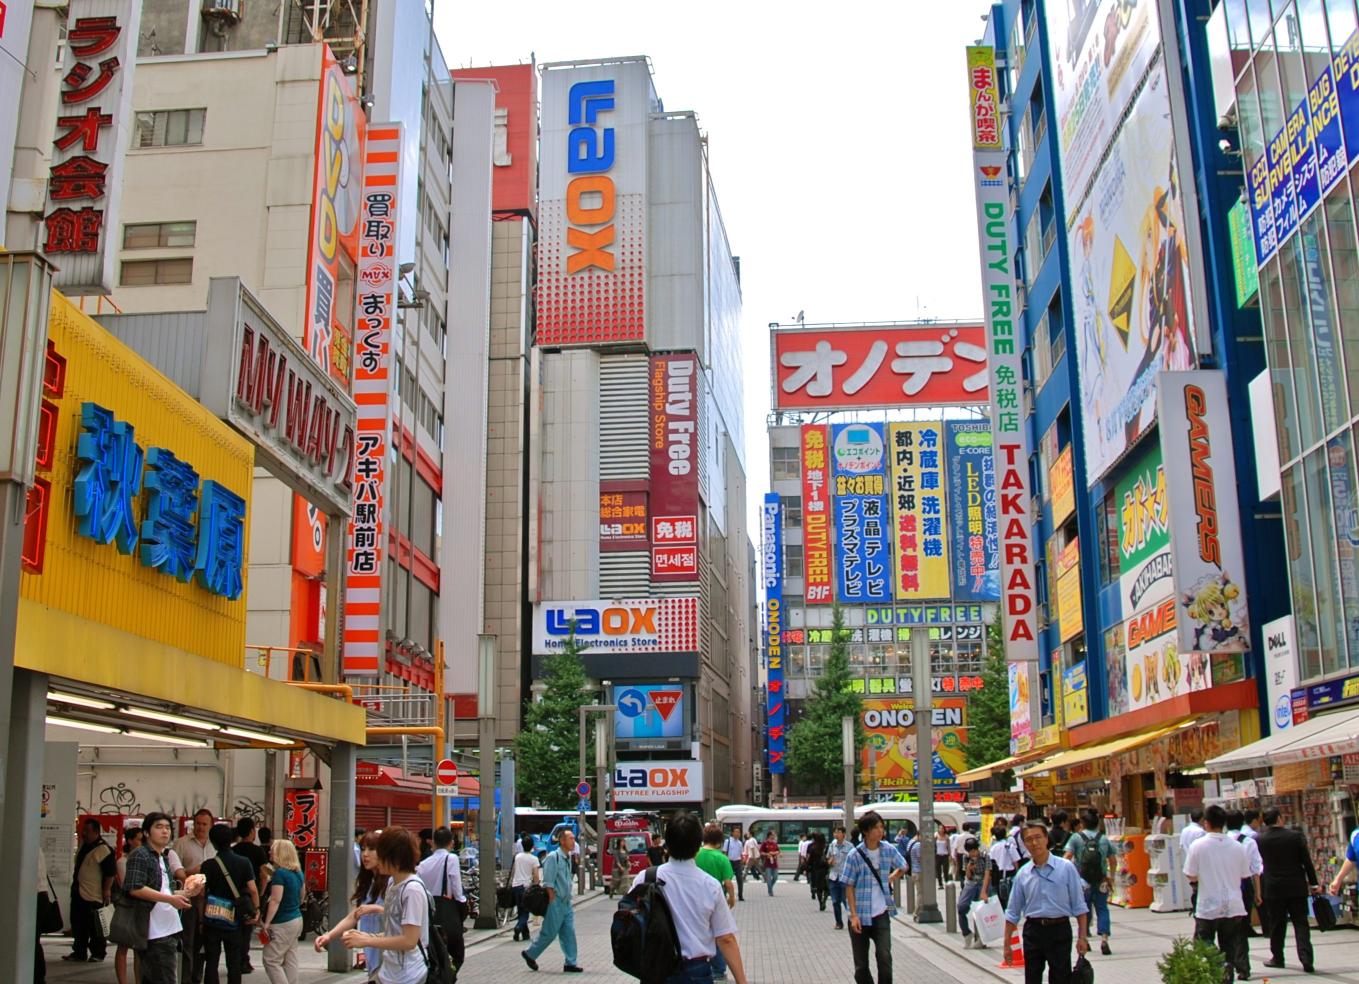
[[133, 575], [985, 94], [919, 522], [1061, 481], [1069, 590]]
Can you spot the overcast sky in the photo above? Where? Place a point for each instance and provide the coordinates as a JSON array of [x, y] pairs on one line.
[[837, 137]]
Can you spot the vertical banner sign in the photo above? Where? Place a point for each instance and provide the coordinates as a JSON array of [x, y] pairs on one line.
[[771, 523], [674, 467], [816, 515], [377, 276], [1069, 618], [973, 530], [94, 129], [1205, 526], [1003, 359], [301, 815], [918, 513], [863, 554], [334, 222]]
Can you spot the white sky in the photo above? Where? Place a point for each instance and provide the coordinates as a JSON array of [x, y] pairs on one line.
[[837, 137]]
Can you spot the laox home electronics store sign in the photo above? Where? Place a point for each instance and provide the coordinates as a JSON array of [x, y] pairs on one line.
[[644, 625], [678, 781]]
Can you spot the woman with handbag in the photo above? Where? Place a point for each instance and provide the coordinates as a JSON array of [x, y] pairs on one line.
[[232, 903], [132, 839], [283, 915]]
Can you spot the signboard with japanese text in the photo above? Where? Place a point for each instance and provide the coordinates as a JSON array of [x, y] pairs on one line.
[[1069, 591], [1021, 718], [919, 512], [1061, 480], [771, 546], [983, 93], [816, 515], [301, 816], [15, 22], [1205, 536], [1145, 568], [834, 368], [673, 439], [1006, 377], [888, 760], [973, 530], [875, 686], [1075, 696], [863, 551], [822, 635], [93, 132], [336, 203], [1245, 268], [1128, 245], [374, 320], [650, 712], [592, 217], [622, 518], [639, 625]]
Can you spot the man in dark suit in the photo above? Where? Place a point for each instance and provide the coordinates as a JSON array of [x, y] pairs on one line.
[[1288, 880]]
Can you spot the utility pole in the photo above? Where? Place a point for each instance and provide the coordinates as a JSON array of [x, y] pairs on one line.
[[486, 694], [585, 711], [847, 752], [923, 703]]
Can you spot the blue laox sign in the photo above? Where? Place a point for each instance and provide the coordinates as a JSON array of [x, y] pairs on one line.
[[185, 533]]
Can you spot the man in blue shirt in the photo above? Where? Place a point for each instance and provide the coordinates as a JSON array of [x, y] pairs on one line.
[[1351, 862], [560, 921], [870, 871], [1047, 894]]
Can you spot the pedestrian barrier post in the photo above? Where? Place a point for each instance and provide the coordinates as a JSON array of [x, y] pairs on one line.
[[910, 895], [896, 892], [951, 905]]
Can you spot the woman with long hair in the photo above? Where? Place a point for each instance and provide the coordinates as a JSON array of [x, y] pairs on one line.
[[369, 889], [818, 868], [283, 914], [132, 839]]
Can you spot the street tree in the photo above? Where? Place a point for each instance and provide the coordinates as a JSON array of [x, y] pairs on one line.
[[988, 711], [547, 751], [815, 753]]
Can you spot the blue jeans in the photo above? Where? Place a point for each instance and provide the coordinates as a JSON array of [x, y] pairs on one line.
[[971, 892], [521, 925], [558, 924], [837, 892], [694, 972], [771, 875], [1099, 902]]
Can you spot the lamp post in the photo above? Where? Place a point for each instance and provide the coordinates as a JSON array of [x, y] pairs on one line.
[[486, 852], [923, 703], [585, 711]]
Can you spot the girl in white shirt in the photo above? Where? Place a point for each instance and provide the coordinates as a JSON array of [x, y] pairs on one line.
[[405, 910]]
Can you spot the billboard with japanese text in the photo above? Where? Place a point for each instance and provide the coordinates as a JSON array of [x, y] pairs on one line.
[[650, 711], [919, 512], [835, 368], [816, 515], [888, 760], [673, 439], [863, 548], [973, 529], [771, 545], [622, 517]]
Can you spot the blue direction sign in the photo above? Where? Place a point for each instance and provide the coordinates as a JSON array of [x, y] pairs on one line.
[[632, 703], [583, 790]]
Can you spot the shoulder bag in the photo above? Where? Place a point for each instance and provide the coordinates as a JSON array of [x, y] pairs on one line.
[[49, 910], [131, 923], [220, 913], [504, 895], [448, 912]]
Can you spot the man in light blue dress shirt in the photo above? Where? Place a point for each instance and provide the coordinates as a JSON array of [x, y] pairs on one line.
[[1047, 894]]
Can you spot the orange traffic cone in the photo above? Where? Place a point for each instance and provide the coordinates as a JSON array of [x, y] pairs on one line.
[[1016, 952]]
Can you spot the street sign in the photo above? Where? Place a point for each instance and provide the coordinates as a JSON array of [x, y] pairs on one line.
[[583, 806], [583, 790], [446, 778]]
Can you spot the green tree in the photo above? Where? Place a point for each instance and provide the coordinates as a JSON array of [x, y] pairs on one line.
[[815, 756], [988, 712], [547, 751]]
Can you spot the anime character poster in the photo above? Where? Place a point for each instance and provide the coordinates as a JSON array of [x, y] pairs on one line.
[[888, 760]]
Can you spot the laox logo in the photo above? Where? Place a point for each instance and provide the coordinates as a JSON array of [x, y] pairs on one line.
[[608, 621], [591, 200], [665, 777]]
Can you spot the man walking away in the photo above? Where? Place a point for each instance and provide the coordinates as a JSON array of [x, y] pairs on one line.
[[956, 853], [1060, 832], [1093, 855], [735, 849], [246, 847], [526, 871], [1016, 835], [1250, 887], [150, 880], [195, 848], [836, 854], [1215, 865], [91, 890], [870, 871], [560, 921], [702, 915], [1252, 827], [1047, 895], [1001, 870], [1288, 879], [712, 860], [442, 875], [804, 843], [1192, 831], [752, 854]]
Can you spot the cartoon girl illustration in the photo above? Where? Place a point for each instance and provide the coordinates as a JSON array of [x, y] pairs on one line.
[[1210, 607]]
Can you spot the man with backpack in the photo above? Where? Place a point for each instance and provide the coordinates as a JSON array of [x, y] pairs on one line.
[[676, 919], [560, 921], [871, 870], [1092, 854]]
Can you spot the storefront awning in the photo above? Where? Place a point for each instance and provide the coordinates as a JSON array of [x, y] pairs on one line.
[[1076, 756], [1319, 737], [987, 771]]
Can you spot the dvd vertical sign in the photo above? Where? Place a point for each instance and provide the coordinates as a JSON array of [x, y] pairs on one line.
[[1003, 349], [772, 549]]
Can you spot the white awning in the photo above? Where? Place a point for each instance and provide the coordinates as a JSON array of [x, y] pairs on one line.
[[1319, 737]]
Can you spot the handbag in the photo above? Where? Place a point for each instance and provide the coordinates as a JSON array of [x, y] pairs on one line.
[[1324, 912], [49, 911], [220, 913], [131, 922], [504, 895], [448, 913], [536, 900]]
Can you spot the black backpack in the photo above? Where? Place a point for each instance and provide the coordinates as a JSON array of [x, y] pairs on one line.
[[440, 964], [1091, 861], [645, 943]]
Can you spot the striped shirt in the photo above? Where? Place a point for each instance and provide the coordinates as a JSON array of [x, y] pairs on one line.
[[858, 876]]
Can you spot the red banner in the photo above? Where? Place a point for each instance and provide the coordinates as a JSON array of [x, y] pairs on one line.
[[816, 540], [301, 816], [891, 366], [674, 467]]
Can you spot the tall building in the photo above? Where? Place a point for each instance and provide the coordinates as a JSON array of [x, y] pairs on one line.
[[637, 497]]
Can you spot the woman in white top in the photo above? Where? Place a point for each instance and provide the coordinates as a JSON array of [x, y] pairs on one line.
[[405, 910], [527, 870]]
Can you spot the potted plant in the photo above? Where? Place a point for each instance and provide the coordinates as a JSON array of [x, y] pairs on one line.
[[1191, 962]]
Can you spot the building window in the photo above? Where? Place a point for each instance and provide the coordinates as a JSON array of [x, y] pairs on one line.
[[792, 510], [152, 273], [170, 128], [1106, 515], [153, 235], [792, 561], [785, 464]]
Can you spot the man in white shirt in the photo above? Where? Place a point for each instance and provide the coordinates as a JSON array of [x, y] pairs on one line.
[[525, 871], [957, 852], [150, 880], [1216, 865], [1192, 831], [804, 845], [193, 849], [1250, 888], [735, 849], [752, 853], [442, 874], [1004, 861], [703, 922]]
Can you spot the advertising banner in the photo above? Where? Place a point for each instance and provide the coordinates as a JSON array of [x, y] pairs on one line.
[[372, 333], [593, 203], [1100, 51], [986, 120], [93, 132], [1133, 310], [335, 210], [1061, 480], [642, 625], [673, 445], [919, 515], [816, 515], [851, 368], [1245, 269], [1003, 356], [888, 760], [1021, 720], [1069, 591], [1145, 569], [659, 782], [1145, 664], [1205, 536], [650, 711], [973, 530], [863, 551], [1075, 696], [771, 544], [622, 518]]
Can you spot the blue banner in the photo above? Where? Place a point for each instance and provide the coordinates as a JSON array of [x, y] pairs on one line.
[[863, 551], [1328, 143], [971, 475], [771, 523], [1302, 159]]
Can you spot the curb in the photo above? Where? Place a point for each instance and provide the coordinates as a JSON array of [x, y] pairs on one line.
[[576, 903], [942, 943]]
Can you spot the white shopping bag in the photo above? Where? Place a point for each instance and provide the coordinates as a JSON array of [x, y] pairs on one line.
[[988, 921]]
